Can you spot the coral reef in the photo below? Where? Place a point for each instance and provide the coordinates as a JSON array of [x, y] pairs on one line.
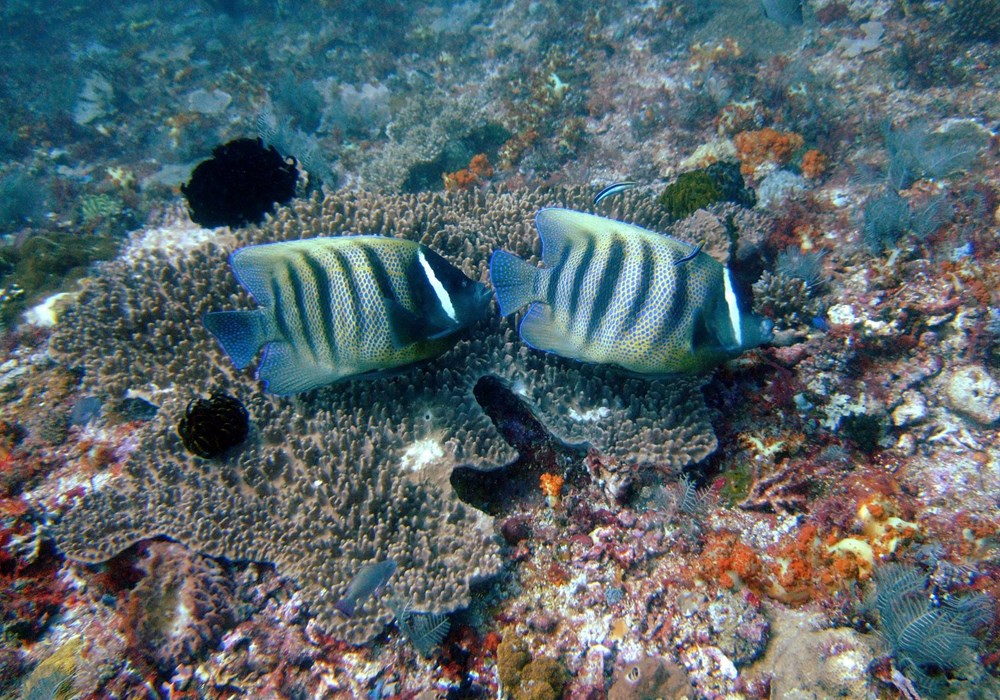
[[386, 493], [866, 436]]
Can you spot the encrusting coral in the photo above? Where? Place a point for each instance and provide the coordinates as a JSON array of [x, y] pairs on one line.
[[332, 479]]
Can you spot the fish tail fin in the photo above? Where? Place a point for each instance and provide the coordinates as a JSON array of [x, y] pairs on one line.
[[345, 607], [240, 333], [513, 281]]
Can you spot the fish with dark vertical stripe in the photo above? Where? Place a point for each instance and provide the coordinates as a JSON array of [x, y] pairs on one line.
[[614, 293], [340, 307]]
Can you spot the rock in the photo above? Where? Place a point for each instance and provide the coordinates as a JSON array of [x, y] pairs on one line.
[[912, 410], [806, 662], [973, 393], [648, 678]]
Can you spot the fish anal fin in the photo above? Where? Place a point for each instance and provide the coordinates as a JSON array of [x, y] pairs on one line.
[[540, 331], [287, 372]]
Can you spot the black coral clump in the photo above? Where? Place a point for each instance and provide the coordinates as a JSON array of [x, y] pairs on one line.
[[211, 427], [916, 152], [927, 636], [239, 184], [887, 218]]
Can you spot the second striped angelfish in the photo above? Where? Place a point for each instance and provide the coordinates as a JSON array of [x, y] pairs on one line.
[[340, 307], [614, 293]]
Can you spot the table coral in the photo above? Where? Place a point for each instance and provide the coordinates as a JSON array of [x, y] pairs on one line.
[[359, 471]]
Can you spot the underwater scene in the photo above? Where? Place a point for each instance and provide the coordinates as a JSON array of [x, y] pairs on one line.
[[527, 350]]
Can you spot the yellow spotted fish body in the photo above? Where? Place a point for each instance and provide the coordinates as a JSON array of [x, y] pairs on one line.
[[338, 307], [614, 293]]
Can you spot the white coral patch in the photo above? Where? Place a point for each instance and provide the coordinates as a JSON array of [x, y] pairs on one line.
[[591, 415], [46, 314], [420, 454]]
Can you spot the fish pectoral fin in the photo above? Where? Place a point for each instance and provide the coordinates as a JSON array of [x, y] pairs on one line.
[[539, 330], [407, 327], [286, 371], [240, 333]]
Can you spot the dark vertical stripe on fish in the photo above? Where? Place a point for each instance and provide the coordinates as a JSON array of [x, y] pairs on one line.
[[677, 305], [556, 274], [279, 310], [610, 277], [422, 294], [322, 282], [378, 272], [578, 276], [355, 311], [646, 266], [300, 305]]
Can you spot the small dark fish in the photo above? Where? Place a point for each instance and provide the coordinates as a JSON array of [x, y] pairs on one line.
[[690, 256], [614, 189], [787, 13], [369, 579]]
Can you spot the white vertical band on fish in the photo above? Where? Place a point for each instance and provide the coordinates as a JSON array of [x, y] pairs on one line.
[[442, 293], [733, 306]]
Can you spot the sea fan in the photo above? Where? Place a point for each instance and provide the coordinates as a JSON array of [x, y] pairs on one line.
[[425, 631], [926, 638], [806, 266]]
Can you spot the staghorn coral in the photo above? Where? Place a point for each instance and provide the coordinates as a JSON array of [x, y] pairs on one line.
[[358, 471]]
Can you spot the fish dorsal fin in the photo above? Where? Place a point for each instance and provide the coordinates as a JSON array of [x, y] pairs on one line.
[[254, 267], [562, 228]]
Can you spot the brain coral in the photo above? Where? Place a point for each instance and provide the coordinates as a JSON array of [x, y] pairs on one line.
[[332, 479]]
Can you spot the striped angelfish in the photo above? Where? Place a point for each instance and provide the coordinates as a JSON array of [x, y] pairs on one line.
[[339, 307], [618, 294]]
